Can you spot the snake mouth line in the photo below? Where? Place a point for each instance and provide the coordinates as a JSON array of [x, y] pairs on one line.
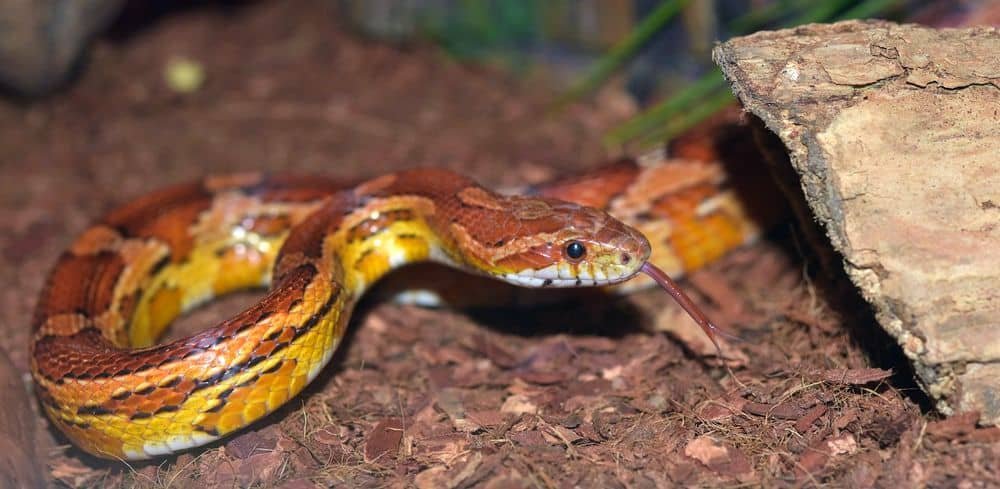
[[529, 281], [564, 276]]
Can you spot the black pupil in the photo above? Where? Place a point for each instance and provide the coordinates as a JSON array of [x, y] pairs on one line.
[[575, 250]]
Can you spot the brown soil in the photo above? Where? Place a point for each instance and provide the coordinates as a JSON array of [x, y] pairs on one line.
[[441, 398]]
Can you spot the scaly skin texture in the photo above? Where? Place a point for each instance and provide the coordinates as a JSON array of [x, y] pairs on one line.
[[318, 244], [684, 207]]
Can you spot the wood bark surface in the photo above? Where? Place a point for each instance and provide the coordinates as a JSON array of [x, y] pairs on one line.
[[894, 131]]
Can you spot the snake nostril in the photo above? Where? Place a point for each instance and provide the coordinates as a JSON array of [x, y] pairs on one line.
[[626, 258]]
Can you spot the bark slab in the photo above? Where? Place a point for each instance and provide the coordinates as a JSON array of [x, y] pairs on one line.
[[894, 131]]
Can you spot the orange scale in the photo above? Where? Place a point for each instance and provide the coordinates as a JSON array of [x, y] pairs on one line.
[[208, 421], [172, 398], [230, 421], [147, 406], [277, 397], [259, 395], [296, 383], [254, 411], [110, 444], [286, 335], [284, 372], [128, 406], [237, 397], [264, 349]]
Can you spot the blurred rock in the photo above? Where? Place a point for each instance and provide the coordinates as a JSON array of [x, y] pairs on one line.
[[42, 40]]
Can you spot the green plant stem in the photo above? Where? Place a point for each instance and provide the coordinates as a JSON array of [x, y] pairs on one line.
[[702, 98], [760, 17], [703, 110], [624, 50], [824, 10], [655, 116], [868, 9]]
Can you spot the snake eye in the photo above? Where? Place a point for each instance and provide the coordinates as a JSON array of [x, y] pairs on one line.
[[575, 250]]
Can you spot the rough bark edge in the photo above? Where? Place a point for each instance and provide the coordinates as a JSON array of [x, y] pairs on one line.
[[939, 380]]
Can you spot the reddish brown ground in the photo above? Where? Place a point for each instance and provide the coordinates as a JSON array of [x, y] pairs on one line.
[[439, 398]]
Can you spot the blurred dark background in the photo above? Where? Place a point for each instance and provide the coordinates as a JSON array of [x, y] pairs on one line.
[[662, 47]]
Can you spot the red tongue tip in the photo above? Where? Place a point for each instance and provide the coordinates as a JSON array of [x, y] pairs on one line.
[[685, 302]]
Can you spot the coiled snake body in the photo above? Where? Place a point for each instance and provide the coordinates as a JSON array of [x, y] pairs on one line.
[[319, 245]]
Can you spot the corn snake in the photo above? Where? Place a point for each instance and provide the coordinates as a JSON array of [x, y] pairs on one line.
[[319, 243]]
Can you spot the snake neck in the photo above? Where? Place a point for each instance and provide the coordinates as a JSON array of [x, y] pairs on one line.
[[361, 239], [377, 239]]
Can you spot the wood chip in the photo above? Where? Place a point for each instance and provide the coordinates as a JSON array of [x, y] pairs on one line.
[[720, 458], [779, 411], [383, 440], [565, 434], [252, 442], [849, 416], [457, 476], [543, 377], [962, 427], [518, 404], [488, 418], [719, 409], [810, 417], [820, 452], [855, 376], [813, 459], [528, 438], [845, 444], [260, 467], [297, 484], [497, 354]]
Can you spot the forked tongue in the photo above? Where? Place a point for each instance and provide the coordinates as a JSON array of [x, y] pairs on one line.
[[685, 302]]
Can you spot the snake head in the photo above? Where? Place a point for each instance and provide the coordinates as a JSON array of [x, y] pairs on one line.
[[552, 243]]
